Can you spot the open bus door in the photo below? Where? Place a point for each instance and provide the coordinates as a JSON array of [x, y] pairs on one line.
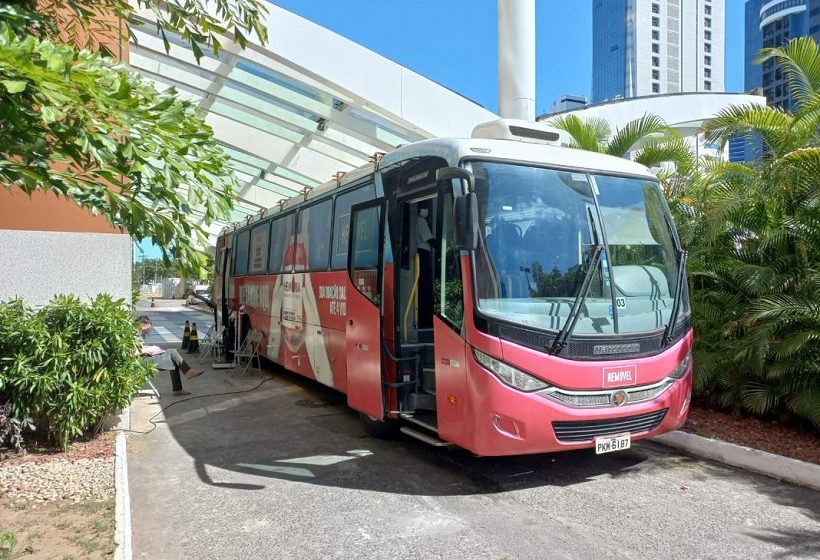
[[223, 291], [364, 328]]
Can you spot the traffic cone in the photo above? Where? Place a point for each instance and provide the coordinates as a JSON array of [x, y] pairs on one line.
[[186, 336], [193, 343]]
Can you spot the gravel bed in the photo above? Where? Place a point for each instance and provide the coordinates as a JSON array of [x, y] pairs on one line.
[[77, 481]]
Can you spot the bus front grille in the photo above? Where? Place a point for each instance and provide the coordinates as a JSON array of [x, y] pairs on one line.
[[586, 430]]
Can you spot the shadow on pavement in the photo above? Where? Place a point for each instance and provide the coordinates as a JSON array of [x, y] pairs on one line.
[[795, 543], [292, 428]]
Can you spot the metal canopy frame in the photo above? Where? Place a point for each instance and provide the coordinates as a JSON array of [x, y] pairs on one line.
[[288, 126]]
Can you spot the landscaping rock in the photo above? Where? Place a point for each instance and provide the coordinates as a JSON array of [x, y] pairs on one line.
[[75, 481]]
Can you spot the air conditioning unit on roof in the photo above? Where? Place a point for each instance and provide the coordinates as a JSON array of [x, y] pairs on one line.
[[518, 130]]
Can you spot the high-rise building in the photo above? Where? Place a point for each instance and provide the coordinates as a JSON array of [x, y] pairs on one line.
[[771, 23], [647, 47], [567, 102]]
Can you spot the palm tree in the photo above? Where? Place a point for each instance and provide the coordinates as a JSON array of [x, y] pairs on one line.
[[652, 142], [756, 267]]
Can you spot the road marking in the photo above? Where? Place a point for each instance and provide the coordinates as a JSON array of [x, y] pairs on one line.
[[166, 335]]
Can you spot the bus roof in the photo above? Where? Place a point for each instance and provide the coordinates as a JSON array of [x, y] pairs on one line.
[[454, 150]]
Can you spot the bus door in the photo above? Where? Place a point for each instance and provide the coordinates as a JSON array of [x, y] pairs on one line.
[[224, 292], [414, 270], [364, 329]]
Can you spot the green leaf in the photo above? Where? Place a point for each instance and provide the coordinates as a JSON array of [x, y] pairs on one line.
[[14, 86]]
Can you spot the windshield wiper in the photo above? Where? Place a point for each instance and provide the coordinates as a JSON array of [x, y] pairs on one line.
[[563, 335], [676, 302]]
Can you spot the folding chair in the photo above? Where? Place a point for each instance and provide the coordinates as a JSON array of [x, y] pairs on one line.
[[243, 358], [211, 344]]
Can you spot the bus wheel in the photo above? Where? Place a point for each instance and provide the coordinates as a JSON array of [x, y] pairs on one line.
[[379, 428]]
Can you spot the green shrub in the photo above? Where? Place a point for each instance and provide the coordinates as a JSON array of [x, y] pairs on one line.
[[69, 364]]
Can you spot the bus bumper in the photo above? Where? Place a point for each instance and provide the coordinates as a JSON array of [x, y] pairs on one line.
[[510, 422]]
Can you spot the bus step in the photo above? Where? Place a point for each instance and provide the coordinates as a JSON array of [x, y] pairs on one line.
[[400, 384], [428, 439], [425, 420], [422, 401]]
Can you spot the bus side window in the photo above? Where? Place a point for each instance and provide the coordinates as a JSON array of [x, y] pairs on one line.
[[241, 262], [281, 237], [364, 272], [341, 223], [259, 249], [314, 227]]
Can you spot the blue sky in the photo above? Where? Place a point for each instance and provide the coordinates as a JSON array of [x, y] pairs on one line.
[[454, 41]]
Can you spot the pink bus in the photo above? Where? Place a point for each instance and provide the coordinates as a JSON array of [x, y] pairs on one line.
[[499, 293]]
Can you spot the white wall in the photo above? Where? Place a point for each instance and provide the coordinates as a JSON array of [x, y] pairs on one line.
[[37, 265]]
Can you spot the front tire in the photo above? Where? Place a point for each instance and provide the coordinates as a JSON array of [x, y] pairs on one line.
[[381, 429]]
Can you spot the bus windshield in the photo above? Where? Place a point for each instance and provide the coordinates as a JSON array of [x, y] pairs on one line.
[[541, 231]]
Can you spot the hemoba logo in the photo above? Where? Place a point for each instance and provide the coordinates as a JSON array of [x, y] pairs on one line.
[[620, 376]]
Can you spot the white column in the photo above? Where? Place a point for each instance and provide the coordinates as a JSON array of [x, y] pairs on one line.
[[516, 59]]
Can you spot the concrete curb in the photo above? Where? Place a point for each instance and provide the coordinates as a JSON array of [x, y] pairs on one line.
[[122, 512], [774, 466]]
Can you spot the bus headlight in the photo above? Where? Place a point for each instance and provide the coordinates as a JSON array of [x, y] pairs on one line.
[[678, 372], [508, 374]]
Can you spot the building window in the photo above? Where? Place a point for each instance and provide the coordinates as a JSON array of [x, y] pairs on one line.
[[707, 60], [656, 61], [656, 35], [707, 22], [707, 35], [656, 48], [814, 29], [707, 72], [708, 10], [707, 47], [707, 85], [656, 88], [656, 21], [656, 9], [656, 74]]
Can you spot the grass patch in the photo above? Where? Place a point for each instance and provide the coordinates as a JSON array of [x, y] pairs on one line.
[[58, 530]]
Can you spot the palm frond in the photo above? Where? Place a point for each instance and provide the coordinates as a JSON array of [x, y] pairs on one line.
[[806, 404], [774, 125], [637, 130], [784, 308], [655, 152], [800, 61], [586, 135]]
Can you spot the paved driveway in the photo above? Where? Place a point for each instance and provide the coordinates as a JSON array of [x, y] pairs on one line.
[[284, 470]]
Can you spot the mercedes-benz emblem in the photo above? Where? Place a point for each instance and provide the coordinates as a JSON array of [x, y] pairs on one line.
[[619, 398]]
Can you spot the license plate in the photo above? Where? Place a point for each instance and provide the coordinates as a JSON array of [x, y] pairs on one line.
[[608, 444]]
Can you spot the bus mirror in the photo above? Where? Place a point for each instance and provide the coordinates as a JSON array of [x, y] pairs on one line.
[[446, 173], [465, 221]]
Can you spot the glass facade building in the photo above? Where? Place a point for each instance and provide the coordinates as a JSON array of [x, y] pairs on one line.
[[771, 23], [608, 50], [647, 47]]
